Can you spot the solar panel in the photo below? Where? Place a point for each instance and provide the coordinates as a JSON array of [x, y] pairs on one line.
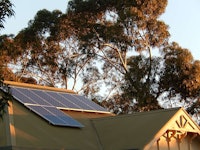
[[46, 103], [56, 99], [84, 103], [43, 107], [66, 102], [49, 98], [91, 104], [54, 116], [76, 101], [36, 97]]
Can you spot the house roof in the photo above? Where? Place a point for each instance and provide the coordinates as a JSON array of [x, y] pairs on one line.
[[140, 130], [137, 131]]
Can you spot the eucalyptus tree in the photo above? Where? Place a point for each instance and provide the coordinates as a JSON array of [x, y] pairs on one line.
[[112, 31]]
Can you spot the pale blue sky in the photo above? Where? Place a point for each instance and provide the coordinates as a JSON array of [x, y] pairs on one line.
[[182, 16]]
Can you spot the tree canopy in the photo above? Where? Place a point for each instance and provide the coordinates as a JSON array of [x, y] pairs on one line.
[[112, 31], [173, 82], [91, 34]]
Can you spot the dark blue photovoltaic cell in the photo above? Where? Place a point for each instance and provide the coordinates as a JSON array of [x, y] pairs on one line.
[[34, 97], [20, 96], [76, 101], [65, 118], [93, 105], [66, 102], [54, 116], [44, 95]]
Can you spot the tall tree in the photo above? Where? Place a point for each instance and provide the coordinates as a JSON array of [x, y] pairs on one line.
[[91, 34], [114, 30]]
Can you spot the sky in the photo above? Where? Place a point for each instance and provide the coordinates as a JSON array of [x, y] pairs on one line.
[[182, 17]]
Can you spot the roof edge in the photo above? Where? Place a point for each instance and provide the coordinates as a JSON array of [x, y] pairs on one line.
[[85, 110], [33, 86], [138, 113], [195, 123], [164, 128]]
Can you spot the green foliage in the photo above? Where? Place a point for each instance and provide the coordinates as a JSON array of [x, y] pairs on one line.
[[139, 85], [5, 96], [181, 77], [48, 52], [112, 30], [180, 68], [140, 90], [174, 81], [131, 20], [6, 10], [57, 47]]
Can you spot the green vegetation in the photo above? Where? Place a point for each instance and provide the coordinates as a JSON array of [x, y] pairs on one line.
[[6, 10]]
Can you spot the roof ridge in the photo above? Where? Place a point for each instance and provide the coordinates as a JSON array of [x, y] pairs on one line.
[[33, 86], [139, 113]]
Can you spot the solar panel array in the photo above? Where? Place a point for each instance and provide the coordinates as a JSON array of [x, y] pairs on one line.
[[56, 99], [46, 103]]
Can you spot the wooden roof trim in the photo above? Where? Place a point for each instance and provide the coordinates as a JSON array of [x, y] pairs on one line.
[[85, 110], [196, 125], [33, 86], [77, 110], [180, 120], [167, 126]]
